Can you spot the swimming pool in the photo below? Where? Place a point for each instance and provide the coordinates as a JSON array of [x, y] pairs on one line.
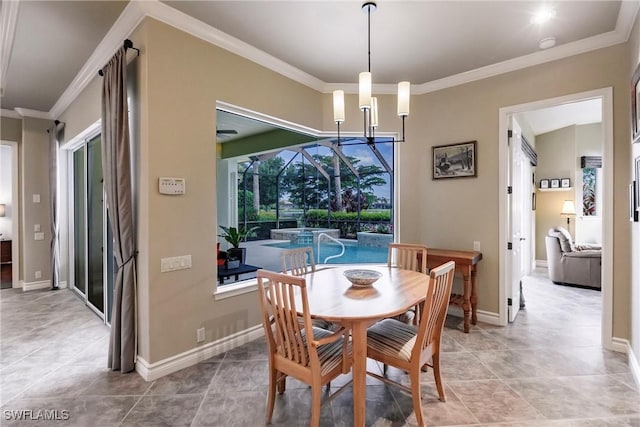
[[352, 252]]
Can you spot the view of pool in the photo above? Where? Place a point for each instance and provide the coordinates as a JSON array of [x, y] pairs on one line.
[[352, 254]]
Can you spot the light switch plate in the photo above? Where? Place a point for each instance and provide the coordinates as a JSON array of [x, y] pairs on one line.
[[38, 236], [36, 198], [36, 227], [175, 263]]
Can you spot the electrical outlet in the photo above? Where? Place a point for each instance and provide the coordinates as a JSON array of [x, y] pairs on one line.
[[200, 334], [38, 274], [476, 246]]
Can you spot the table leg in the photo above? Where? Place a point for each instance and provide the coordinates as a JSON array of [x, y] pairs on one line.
[[474, 296], [359, 372], [466, 302]]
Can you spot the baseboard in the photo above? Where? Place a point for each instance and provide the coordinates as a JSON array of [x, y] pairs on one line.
[[32, 286], [542, 263], [624, 346], [489, 317], [153, 371]]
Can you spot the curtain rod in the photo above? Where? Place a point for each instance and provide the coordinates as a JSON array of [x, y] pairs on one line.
[[128, 44]]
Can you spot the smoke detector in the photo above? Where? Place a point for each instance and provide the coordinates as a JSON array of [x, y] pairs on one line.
[[547, 42]]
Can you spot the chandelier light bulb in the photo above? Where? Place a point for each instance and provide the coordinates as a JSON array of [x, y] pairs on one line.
[[374, 112], [404, 93], [338, 106], [365, 90]]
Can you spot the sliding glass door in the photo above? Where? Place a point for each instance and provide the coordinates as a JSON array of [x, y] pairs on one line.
[[93, 248]]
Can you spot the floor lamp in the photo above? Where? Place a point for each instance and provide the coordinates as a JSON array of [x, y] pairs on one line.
[[568, 210]]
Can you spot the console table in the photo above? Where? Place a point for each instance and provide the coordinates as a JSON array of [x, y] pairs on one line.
[[466, 264], [224, 273]]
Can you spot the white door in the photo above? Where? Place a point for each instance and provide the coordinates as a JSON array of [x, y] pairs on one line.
[[519, 219]]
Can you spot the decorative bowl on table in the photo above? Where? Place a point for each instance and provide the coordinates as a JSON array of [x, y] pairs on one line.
[[362, 277]]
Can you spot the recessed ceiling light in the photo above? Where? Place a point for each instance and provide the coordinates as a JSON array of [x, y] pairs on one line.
[[545, 14], [547, 42]]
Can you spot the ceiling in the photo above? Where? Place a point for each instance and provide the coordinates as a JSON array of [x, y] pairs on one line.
[[49, 47], [558, 117]]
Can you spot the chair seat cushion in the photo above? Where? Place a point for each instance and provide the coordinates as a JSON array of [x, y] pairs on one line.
[[392, 338], [329, 355]]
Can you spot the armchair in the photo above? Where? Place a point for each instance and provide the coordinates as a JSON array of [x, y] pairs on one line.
[[570, 263]]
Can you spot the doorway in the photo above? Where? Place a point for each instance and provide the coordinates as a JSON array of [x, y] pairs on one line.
[[9, 215], [507, 275]]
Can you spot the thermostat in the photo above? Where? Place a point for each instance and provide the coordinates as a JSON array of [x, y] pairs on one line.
[[172, 186]]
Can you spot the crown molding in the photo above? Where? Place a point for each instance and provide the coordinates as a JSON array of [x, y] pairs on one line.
[[128, 20], [199, 29], [8, 23], [25, 112], [10, 113], [136, 11]]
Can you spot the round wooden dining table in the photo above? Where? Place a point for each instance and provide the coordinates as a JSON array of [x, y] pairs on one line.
[[332, 297]]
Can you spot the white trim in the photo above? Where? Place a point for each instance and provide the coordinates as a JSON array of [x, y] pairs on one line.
[[25, 112], [489, 317], [136, 11], [63, 285], [15, 214], [199, 29], [94, 129], [623, 345], [9, 20], [607, 253], [542, 263], [128, 20], [10, 113], [32, 286], [235, 289], [153, 371]]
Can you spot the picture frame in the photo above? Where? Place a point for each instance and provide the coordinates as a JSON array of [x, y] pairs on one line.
[[533, 201], [634, 213], [544, 184], [637, 180], [555, 183], [635, 106], [565, 183], [454, 160]]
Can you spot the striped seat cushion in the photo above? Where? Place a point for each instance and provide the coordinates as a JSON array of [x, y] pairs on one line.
[[392, 338], [330, 355]]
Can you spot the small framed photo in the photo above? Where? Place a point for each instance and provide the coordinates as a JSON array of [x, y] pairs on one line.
[[633, 202], [544, 183], [565, 183], [533, 201], [555, 183], [455, 160], [635, 106], [637, 180]]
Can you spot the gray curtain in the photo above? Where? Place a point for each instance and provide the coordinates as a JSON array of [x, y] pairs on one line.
[[55, 135], [116, 167]]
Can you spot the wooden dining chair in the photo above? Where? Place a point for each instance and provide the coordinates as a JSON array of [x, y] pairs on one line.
[[413, 257], [299, 262], [410, 347], [312, 355]]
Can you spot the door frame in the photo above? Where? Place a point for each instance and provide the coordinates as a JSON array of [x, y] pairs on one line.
[[606, 94], [15, 215]]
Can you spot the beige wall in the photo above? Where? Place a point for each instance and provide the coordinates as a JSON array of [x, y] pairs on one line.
[[35, 180], [11, 129], [181, 77], [556, 159], [634, 245]]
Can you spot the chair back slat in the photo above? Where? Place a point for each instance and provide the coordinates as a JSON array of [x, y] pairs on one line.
[[436, 305], [408, 257], [298, 262], [278, 297]]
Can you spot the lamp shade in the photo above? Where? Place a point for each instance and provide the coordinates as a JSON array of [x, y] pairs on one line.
[[568, 208], [404, 92], [3, 209], [365, 90], [338, 106], [374, 112]]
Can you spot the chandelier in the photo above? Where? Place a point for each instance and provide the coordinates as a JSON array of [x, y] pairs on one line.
[[369, 104]]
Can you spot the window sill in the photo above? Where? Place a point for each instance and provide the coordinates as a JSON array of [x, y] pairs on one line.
[[232, 290]]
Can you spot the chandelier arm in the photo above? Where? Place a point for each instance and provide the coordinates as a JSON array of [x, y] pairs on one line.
[[369, 36]]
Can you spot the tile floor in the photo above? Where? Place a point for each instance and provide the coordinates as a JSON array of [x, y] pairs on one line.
[[547, 369]]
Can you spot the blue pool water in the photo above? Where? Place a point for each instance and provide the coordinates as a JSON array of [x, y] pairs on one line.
[[352, 254]]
